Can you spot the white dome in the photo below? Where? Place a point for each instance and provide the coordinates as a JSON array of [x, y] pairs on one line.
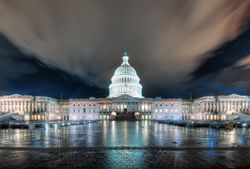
[[125, 70], [125, 80]]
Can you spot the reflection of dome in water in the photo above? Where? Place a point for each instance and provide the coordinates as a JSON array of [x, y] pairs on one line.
[[125, 80]]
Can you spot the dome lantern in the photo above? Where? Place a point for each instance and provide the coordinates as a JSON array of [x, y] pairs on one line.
[[125, 57]]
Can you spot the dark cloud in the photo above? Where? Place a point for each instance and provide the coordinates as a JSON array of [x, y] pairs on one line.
[[12, 63]]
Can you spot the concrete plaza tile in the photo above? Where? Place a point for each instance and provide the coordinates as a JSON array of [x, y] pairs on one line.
[[117, 159]]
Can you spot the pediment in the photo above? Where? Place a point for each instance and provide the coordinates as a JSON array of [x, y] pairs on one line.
[[125, 97]]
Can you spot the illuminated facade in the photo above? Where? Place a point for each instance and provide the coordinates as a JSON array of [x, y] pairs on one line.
[[125, 96], [31, 108], [208, 108], [220, 107], [83, 109]]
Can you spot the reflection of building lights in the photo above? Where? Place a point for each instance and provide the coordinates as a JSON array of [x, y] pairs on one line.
[[232, 136]]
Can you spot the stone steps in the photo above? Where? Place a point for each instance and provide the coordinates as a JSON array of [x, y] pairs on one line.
[[125, 117]]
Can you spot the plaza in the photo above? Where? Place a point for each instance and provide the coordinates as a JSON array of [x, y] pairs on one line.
[[124, 144]]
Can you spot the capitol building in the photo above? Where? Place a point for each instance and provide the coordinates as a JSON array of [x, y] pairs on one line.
[[125, 97]]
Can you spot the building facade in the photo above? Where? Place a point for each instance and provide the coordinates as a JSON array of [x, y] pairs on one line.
[[125, 96], [31, 108]]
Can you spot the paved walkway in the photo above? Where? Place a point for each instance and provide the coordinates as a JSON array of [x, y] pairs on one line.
[[124, 158]]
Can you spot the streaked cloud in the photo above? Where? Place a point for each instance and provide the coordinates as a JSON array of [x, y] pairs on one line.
[[167, 40]]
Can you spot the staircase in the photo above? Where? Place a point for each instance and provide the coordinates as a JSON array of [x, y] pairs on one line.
[[233, 117], [17, 117], [125, 117]]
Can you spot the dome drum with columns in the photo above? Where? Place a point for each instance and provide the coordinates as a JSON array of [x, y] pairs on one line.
[[125, 80]]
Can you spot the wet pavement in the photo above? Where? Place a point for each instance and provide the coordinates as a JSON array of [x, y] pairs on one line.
[[119, 159], [124, 144]]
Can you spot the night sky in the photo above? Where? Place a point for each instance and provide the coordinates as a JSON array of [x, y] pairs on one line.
[[72, 48]]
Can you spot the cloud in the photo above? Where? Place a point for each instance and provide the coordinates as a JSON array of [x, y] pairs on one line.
[[245, 63], [165, 39]]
